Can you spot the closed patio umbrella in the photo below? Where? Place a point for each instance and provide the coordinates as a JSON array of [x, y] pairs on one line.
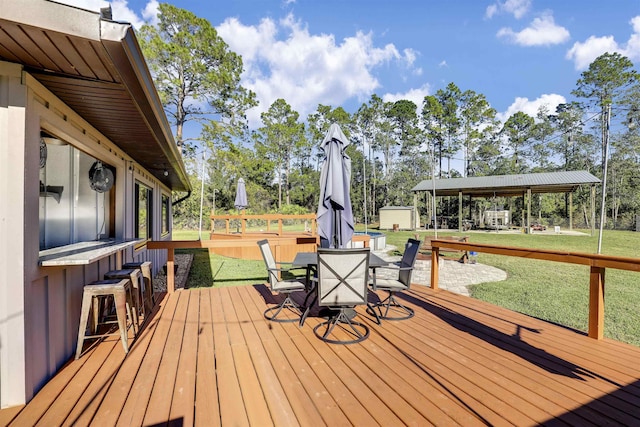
[[335, 215], [241, 199], [241, 196]]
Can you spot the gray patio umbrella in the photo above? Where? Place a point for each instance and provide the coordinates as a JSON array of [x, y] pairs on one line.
[[241, 199], [241, 196], [335, 216]]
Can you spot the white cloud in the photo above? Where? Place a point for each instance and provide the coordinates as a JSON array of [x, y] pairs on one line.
[[283, 60], [517, 8], [492, 9], [583, 53], [150, 12], [551, 101], [542, 31], [415, 95], [410, 56], [121, 12]]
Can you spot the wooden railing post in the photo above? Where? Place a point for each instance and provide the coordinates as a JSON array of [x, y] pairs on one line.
[[170, 271], [279, 226], [596, 303], [435, 254]]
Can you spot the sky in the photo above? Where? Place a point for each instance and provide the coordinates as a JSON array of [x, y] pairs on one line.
[[520, 54]]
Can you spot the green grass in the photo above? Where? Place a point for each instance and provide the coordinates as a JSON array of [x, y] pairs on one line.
[[555, 292], [559, 292], [209, 270]]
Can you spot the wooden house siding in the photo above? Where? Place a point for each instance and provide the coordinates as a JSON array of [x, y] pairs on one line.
[[40, 306]]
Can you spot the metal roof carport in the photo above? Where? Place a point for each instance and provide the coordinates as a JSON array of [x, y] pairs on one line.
[[511, 185]]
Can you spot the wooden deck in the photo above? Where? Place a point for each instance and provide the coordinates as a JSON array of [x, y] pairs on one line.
[[208, 357]]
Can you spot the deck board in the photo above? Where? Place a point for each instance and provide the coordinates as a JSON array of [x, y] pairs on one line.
[[160, 400], [232, 408], [207, 409], [209, 357], [144, 381]]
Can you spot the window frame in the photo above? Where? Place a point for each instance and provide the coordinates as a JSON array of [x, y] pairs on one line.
[[71, 180], [148, 220], [165, 215]]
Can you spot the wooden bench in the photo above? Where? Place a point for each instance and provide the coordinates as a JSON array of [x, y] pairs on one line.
[[460, 255]]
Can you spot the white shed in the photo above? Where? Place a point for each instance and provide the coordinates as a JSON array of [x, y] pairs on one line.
[[406, 218]]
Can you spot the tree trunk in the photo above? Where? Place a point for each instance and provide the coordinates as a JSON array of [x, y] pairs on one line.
[[279, 189]]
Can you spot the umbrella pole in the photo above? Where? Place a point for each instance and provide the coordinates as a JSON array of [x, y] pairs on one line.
[[339, 241], [336, 224]]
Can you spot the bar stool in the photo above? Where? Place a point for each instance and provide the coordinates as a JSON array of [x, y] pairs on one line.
[[147, 291], [135, 277], [120, 290]]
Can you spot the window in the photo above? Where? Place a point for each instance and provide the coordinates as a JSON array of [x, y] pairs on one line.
[[166, 219], [70, 210], [143, 211]]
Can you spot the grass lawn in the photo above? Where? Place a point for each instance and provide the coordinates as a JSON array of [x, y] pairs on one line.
[[552, 291], [216, 270]]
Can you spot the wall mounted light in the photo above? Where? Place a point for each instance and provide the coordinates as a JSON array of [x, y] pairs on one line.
[[166, 173]]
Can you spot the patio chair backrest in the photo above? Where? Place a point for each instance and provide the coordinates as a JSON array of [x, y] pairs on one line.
[[408, 260], [342, 277], [270, 261]]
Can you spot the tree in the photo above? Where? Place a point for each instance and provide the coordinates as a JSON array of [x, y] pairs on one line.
[[449, 99], [433, 125], [404, 118], [604, 84], [319, 123], [518, 130], [478, 123], [543, 131], [196, 74], [567, 120], [281, 138], [365, 130]]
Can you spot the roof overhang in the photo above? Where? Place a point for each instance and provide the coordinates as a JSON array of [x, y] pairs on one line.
[[509, 185], [95, 66]]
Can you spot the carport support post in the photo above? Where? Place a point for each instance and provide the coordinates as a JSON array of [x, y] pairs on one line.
[[529, 209], [415, 209], [459, 211], [571, 211], [593, 209]]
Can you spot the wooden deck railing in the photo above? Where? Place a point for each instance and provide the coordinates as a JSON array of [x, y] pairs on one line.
[[172, 245], [268, 219], [596, 262]]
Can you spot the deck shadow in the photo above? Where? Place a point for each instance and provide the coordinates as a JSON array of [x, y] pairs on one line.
[[511, 343]]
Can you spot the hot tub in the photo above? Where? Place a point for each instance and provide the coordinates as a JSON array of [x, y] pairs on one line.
[[377, 240]]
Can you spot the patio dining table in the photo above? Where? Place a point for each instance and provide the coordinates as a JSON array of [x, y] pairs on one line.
[[309, 260]]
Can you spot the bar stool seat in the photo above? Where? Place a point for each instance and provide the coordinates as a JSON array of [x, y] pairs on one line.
[[147, 292], [120, 290], [135, 276]]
